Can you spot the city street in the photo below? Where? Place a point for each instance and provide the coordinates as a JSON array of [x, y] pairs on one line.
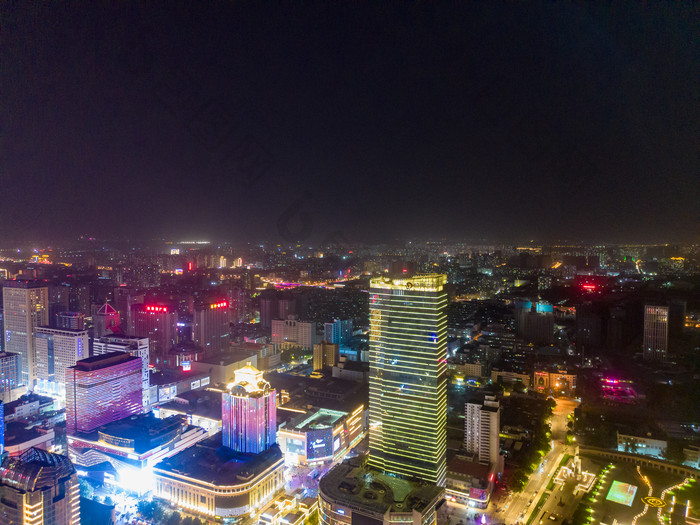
[[522, 504]]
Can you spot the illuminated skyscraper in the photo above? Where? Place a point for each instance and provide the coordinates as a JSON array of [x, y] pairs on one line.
[[249, 413], [159, 324], [130, 344], [56, 350], [408, 377], [25, 306], [106, 321], [39, 487], [102, 389], [655, 345]]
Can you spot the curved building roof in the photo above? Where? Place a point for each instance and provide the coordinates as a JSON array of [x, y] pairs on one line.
[[35, 469]]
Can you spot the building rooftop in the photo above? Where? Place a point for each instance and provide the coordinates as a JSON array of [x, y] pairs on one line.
[[17, 433], [354, 484], [320, 418], [140, 433], [210, 462], [98, 362], [27, 398], [228, 357], [465, 467], [203, 403], [35, 469]]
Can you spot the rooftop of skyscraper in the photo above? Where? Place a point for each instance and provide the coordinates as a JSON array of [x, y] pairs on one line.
[[97, 362], [353, 483], [35, 469]]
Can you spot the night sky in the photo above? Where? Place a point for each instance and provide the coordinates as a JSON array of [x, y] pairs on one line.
[[368, 122]]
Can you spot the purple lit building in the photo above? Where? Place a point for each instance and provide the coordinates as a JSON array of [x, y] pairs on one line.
[[249, 413], [102, 389]]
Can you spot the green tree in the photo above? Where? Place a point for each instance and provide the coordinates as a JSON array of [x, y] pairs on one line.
[[175, 518], [674, 451], [108, 501], [145, 508], [86, 490]]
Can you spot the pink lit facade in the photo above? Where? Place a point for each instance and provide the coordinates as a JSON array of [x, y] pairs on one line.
[[102, 389], [249, 413]]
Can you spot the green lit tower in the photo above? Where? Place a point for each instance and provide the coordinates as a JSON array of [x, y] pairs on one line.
[[408, 377]]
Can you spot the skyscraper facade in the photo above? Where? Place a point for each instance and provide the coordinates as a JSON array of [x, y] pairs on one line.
[[102, 389], [159, 324], [56, 350], [25, 306], [9, 375], [39, 487], [132, 345], [408, 377], [482, 425], [211, 328], [249, 413], [655, 345]]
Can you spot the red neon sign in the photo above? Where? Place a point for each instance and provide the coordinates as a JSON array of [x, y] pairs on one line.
[[222, 304], [156, 308], [189, 266]]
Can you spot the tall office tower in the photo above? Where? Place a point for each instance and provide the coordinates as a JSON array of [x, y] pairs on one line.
[[56, 350], [102, 389], [59, 300], [482, 425], [211, 325], [676, 317], [106, 321], [132, 345], [268, 308], [10, 366], [655, 345], [339, 332], [537, 325], [159, 324], [238, 304], [249, 412], [124, 298], [69, 320], [326, 355], [408, 377], [2, 331], [25, 306], [589, 320], [2, 428], [286, 307], [39, 488]]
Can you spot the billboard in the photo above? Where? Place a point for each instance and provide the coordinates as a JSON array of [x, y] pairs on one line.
[[622, 493]]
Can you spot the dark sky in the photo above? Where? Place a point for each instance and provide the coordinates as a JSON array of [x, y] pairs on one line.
[[367, 121]]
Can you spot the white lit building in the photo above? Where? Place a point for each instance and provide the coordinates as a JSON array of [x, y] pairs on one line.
[[129, 344], [481, 430], [655, 344], [56, 350]]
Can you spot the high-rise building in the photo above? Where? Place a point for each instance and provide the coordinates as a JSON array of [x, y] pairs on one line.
[[338, 332], [482, 425], [132, 345], [106, 321], [326, 355], [408, 377], [159, 324], [293, 332], [124, 298], [25, 306], [404, 476], [59, 301], [39, 487], [249, 413], [69, 320], [211, 326], [2, 428], [10, 366], [102, 389], [655, 345], [56, 350]]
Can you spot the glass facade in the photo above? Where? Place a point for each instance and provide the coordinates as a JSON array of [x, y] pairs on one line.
[[102, 389], [408, 377]]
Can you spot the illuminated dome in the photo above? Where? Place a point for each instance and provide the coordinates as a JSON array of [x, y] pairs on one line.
[[248, 381]]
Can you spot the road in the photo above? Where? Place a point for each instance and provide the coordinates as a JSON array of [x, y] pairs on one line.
[[522, 504]]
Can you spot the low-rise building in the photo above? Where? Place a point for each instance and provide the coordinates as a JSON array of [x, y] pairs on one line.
[[507, 376], [218, 482], [469, 482], [133, 445], [320, 435], [221, 367], [647, 445], [557, 382]]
